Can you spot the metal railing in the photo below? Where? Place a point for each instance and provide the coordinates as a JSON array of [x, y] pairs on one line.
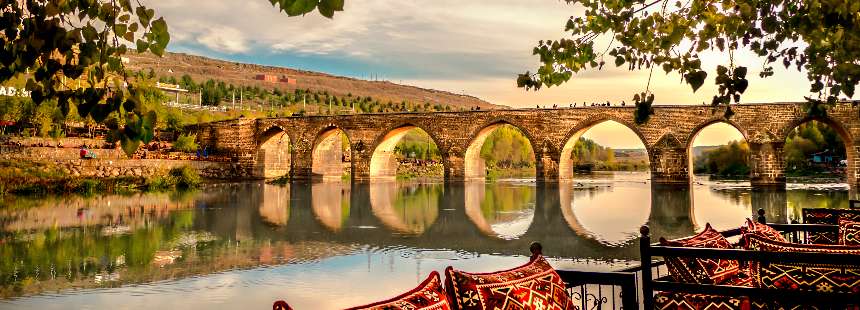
[[601, 290]]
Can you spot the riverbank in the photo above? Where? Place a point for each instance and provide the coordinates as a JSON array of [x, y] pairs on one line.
[[35, 178], [816, 178], [407, 171]]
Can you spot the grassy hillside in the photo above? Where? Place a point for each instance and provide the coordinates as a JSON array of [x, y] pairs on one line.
[[202, 69]]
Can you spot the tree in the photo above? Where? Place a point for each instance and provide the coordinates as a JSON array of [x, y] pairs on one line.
[[186, 82], [51, 41], [212, 92], [819, 37]]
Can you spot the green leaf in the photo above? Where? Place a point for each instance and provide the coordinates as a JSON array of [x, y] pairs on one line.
[[144, 15], [148, 126], [696, 79], [328, 7], [120, 29], [142, 45], [129, 145]]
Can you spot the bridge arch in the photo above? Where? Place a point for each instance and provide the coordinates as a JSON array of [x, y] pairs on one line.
[[383, 161], [329, 153], [842, 132], [698, 129], [565, 165], [835, 124], [703, 127], [474, 165], [274, 153]]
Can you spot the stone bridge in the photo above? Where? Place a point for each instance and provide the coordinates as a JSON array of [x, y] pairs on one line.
[[310, 146]]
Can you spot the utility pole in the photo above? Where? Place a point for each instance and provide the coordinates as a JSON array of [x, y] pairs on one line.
[[329, 105], [233, 105], [304, 97]]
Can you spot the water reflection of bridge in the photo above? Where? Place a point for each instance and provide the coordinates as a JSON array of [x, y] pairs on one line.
[[445, 216]]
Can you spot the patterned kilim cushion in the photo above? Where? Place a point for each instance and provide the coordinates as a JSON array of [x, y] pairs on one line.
[[532, 286], [701, 270], [682, 301], [830, 217], [756, 228], [849, 232], [801, 276], [429, 295]]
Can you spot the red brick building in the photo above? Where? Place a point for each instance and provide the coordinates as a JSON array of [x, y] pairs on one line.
[[267, 78], [270, 78]]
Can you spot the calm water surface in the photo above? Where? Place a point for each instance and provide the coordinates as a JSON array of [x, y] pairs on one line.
[[330, 245]]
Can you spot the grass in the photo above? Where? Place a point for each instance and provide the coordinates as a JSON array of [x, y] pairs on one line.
[[180, 178], [510, 173]]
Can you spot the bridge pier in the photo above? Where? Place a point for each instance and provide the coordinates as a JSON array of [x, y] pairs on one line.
[[670, 166], [361, 167], [302, 165], [767, 165], [455, 167], [547, 167]]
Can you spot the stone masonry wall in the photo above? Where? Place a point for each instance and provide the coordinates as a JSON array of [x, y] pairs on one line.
[[109, 164], [667, 136]]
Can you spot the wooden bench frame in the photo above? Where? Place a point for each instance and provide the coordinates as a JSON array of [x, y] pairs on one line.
[[666, 284]]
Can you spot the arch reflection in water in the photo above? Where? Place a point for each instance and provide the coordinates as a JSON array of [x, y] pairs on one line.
[[608, 213], [275, 207], [330, 202], [501, 210], [727, 204], [407, 208]]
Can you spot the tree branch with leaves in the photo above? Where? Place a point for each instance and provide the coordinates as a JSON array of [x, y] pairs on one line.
[[52, 42], [818, 37]]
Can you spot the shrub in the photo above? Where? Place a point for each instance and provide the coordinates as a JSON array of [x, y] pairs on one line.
[[88, 186], [159, 183], [185, 177], [281, 180], [185, 143]]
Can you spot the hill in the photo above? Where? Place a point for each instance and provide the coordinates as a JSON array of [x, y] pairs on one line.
[[203, 68], [698, 151]]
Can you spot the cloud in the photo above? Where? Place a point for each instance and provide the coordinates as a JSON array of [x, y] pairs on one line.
[[477, 47], [398, 39], [223, 39]]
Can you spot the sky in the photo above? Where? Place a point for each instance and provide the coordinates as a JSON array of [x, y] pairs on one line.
[[475, 47]]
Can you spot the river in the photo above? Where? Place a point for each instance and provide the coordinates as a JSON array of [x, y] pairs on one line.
[[334, 245]]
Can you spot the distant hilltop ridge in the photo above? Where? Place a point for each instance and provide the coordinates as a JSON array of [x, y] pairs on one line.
[[202, 68]]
